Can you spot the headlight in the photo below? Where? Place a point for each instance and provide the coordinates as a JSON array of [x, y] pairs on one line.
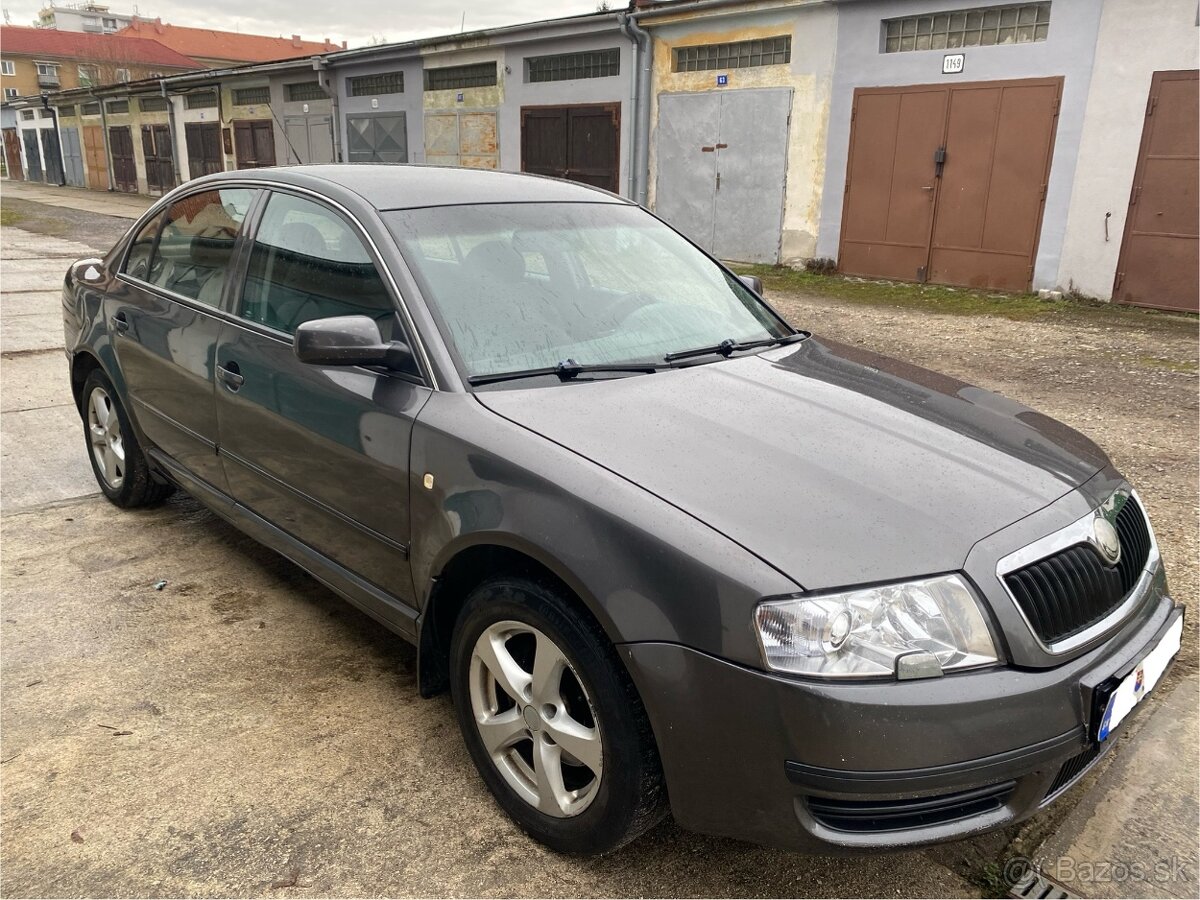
[[914, 629]]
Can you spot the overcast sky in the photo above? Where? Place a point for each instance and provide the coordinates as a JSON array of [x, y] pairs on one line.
[[351, 20]]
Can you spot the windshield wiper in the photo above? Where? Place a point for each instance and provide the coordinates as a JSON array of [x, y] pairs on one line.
[[565, 370], [729, 346]]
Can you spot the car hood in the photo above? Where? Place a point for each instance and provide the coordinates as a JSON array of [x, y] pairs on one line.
[[835, 465]]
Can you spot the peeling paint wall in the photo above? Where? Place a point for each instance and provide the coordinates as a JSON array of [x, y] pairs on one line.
[[461, 124], [813, 28]]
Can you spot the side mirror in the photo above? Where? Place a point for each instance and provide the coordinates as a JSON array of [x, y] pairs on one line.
[[753, 282], [348, 341]]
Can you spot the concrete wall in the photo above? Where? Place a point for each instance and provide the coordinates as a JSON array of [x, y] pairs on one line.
[[1137, 38], [1068, 51], [810, 75], [408, 101]]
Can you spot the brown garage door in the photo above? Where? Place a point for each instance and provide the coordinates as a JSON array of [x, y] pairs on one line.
[[946, 183], [578, 142], [96, 156], [254, 143], [120, 141], [1160, 254]]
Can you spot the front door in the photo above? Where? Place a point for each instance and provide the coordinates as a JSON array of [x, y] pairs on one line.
[[254, 143], [204, 148], [97, 157], [160, 162], [72, 157], [12, 154], [120, 141], [321, 452], [33, 154], [377, 137], [946, 183], [1160, 253], [164, 318], [580, 143], [722, 167]]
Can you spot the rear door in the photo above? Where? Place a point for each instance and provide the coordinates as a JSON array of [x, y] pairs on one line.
[[321, 452], [164, 318]]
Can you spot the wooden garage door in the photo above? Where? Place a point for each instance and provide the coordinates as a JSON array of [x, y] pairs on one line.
[[1160, 254], [254, 143], [579, 143], [96, 156], [946, 183]]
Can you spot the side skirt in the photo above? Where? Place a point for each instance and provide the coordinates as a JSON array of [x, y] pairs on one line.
[[378, 604]]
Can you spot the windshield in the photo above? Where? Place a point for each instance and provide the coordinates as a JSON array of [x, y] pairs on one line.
[[529, 285]]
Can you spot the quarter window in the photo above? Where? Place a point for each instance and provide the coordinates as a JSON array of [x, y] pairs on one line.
[[308, 263], [196, 246]]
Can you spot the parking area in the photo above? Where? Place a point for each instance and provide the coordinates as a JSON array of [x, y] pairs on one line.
[[185, 713]]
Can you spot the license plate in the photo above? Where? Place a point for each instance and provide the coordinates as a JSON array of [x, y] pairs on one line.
[[1138, 683]]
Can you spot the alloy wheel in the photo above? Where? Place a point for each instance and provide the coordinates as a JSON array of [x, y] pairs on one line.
[[104, 432], [535, 719]]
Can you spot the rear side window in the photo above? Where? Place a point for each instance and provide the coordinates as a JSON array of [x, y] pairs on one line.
[[195, 248], [308, 263]]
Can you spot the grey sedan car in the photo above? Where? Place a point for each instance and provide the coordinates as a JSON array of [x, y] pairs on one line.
[[666, 551]]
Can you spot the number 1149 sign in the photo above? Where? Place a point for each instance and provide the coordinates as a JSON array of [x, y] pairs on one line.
[[952, 63]]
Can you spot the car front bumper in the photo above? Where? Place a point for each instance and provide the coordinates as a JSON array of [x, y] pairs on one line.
[[827, 767]]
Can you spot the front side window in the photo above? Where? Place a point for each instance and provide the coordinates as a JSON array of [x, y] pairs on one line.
[[195, 249], [141, 250], [529, 285], [308, 263]]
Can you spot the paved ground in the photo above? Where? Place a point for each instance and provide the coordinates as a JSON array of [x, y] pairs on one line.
[[242, 731]]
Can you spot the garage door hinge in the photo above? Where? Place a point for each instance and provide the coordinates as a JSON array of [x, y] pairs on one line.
[[1133, 198], [1120, 278], [1057, 104], [1043, 192], [1153, 102]]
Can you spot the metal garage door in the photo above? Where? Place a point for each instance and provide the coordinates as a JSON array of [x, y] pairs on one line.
[[72, 157], [580, 143], [377, 137], [946, 183], [33, 155], [462, 138], [722, 167], [309, 140], [1160, 254], [52, 154]]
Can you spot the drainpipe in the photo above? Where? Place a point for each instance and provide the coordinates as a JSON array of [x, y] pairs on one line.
[[62, 163], [335, 126], [162, 86], [643, 60], [112, 181]]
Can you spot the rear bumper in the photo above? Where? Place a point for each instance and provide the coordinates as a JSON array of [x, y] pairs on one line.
[[826, 767]]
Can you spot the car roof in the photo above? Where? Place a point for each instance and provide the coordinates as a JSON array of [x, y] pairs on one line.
[[408, 186]]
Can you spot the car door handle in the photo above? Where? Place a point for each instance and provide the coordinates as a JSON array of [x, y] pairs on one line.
[[119, 323], [231, 374]]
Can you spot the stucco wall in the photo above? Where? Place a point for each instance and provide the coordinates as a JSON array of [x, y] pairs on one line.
[[810, 76], [407, 101], [1137, 38], [1068, 52]]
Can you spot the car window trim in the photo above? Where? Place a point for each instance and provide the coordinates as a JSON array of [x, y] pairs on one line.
[[408, 323]]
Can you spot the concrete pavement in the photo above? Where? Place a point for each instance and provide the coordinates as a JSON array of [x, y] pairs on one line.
[[109, 203]]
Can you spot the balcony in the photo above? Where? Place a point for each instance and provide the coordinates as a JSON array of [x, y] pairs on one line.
[[48, 81]]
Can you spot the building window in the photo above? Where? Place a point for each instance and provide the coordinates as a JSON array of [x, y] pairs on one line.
[[152, 104], [984, 27], [11, 93], [201, 100], [110, 24], [771, 51], [8, 67], [380, 83], [565, 66], [449, 78], [47, 75], [122, 75], [45, 114], [27, 115], [116, 107], [304, 90], [88, 76], [251, 96], [66, 112], [90, 109]]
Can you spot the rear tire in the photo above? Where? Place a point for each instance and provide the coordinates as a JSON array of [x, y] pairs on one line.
[[117, 460], [568, 752]]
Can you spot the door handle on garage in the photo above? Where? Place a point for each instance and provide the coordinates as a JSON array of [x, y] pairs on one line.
[[119, 323], [231, 374]]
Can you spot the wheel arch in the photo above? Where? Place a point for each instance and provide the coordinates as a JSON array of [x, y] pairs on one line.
[[459, 569]]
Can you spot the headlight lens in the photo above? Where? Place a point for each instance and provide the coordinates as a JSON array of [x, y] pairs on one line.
[[911, 629]]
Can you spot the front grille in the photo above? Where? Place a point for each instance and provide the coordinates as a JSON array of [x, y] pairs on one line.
[[873, 816], [1072, 770], [1074, 589]]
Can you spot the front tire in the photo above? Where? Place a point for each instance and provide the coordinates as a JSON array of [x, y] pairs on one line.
[[552, 719], [117, 460]]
